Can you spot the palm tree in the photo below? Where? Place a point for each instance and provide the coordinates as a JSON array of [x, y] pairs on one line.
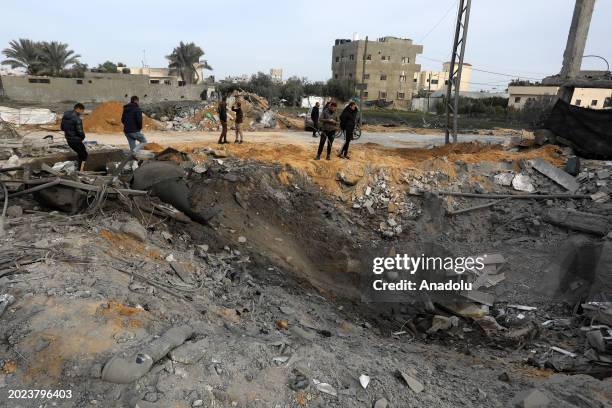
[[23, 53], [55, 57], [183, 62]]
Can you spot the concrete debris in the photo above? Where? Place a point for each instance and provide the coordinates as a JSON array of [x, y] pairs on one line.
[[522, 182], [578, 220], [504, 179], [533, 398], [325, 388], [5, 301], [381, 403], [189, 353], [134, 229], [364, 380], [557, 175], [14, 211], [414, 384]]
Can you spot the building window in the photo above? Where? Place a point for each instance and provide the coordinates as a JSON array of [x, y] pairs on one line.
[[382, 94], [517, 99], [594, 102], [369, 57], [405, 60], [167, 82], [402, 78], [383, 57], [415, 80], [434, 82], [39, 80], [608, 102], [351, 57], [337, 59], [350, 76], [182, 83], [366, 76], [365, 94], [578, 102], [336, 76], [79, 81], [154, 81], [400, 95], [383, 77]]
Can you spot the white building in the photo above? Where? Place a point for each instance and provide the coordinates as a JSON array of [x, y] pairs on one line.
[[594, 98], [432, 81]]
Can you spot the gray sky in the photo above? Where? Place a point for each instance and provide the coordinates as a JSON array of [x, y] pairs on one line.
[[518, 37]]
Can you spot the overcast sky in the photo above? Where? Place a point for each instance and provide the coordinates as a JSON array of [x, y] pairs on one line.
[[519, 37]]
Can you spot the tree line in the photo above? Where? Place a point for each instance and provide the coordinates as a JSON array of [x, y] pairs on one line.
[[56, 59], [291, 91]]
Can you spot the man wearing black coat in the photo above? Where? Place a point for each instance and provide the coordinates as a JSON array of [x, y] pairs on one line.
[[222, 111], [132, 124], [314, 115], [348, 118], [72, 125]]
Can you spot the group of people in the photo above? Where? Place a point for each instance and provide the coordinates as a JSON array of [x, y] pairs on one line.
[[328, 122], [72, 126], [222, 111]]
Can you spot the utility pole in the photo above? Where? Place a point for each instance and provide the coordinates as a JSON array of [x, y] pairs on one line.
[[456, 66], [362, 85], [576, 42]]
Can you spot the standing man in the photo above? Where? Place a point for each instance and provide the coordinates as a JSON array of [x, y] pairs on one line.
[[222, 111], [72, 125], [329, 119], [314, 115], [348, 118], [132, 124], [238, 122]]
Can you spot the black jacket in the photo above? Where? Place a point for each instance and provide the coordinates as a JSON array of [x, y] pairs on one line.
[[131, 118], [222, 111], [314, 115], [72, 125], [239, 115], [348, 119]]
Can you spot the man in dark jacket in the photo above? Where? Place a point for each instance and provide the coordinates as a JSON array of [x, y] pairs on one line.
[[72, 125], [132, 124], [222, 111], [314, 115], [348, 118], [238, 122]]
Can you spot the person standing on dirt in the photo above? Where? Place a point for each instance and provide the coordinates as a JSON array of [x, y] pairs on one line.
[[329, 119], [348, 119], [314, 115], [222, 111], [238, 122], [72, 125], [132, 124]]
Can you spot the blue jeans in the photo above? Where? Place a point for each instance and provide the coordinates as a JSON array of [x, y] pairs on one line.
[[133, 137]]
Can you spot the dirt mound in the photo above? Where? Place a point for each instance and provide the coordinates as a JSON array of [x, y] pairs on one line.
[[106, 118]]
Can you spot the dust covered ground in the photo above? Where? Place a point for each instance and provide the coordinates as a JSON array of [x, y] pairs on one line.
[[270, 288]]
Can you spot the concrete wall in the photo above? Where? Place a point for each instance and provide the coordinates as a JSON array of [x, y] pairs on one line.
[[519, 95], [95, 88], [594, 98], [390, 68], [421, 104]]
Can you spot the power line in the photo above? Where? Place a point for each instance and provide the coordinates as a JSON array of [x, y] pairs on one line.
[[486, 71], [439, 22]]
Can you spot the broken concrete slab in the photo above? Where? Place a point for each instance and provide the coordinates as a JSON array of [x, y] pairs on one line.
[[181, 271], [579, 221], [414, 384], [555, 174], [504, 179], [478, 297]]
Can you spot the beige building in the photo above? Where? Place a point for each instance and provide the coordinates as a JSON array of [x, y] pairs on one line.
[[594, 98], [276, 74], [390, 65], [432, 81], [163, 75]]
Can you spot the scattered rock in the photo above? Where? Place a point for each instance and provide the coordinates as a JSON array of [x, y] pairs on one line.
[[504, 179], [14, 211], [134, 229], [522, 182], [414, 384], [364, 380], [242, 239], [190, 353], [533, 398], [381, 403]]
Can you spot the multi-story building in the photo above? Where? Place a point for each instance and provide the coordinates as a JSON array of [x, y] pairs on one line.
[[390, 65], [432, 81], [594, 98], [276, 74]]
